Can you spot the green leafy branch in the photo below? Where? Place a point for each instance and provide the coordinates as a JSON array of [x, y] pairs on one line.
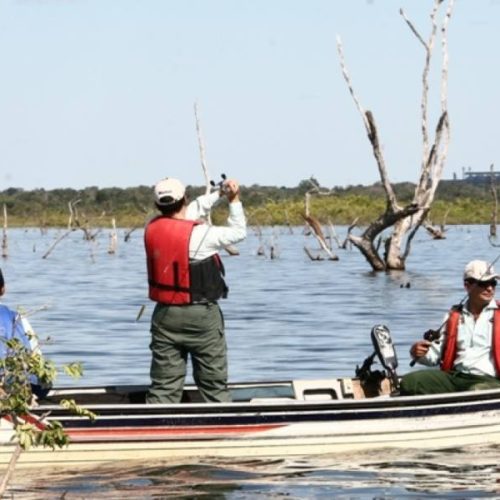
[[18, 369]]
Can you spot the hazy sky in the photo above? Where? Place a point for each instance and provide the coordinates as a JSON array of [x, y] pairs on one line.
[[101, 92]]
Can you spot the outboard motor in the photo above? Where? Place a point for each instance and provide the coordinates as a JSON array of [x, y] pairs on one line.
[[384, 350]]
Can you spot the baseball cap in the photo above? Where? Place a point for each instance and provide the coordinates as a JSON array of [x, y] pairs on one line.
[[168, 191], [480, 270]]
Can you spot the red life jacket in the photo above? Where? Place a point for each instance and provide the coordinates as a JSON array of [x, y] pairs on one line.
[[450, 348], [172, 278]]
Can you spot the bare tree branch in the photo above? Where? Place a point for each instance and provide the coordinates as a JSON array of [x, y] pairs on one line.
[[412, 27], [371, 130], [425, 83], [311, 255], [58, 240], [113, 238], [347, 78], [353, 224], [5, 245], [313, 223], [129, 233], [494, 210], [373, 136]]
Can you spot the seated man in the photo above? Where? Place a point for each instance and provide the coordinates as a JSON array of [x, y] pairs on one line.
[[468, 347], [14, 326]]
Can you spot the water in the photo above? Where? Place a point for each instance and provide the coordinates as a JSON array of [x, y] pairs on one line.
[[455, 474], [286, 318]]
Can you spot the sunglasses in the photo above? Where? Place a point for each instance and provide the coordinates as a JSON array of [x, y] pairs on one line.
[[483, 284]]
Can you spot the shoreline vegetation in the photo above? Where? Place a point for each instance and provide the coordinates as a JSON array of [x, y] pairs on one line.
[[456, 202]]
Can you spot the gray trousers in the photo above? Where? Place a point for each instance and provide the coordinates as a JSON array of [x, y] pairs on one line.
[[179, 331]]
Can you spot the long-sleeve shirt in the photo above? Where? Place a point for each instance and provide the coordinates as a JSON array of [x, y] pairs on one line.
[[15, 326], [207, 240], [474, 343]]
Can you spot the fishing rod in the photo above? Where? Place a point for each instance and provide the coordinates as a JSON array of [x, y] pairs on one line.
[[433, 335]]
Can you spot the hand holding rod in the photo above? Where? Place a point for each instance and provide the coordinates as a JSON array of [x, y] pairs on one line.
[[430, 336]]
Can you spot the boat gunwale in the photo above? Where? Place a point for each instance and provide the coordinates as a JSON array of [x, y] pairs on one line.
[[378, 407]]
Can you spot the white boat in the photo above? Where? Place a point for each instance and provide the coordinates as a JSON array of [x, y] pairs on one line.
[[265, 419]]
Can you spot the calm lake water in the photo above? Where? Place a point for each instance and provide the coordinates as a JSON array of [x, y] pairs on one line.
[[287, 317]]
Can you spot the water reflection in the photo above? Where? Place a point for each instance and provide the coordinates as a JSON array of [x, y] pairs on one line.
[[470, 472]]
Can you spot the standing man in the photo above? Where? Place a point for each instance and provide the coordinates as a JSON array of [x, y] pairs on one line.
[[468, 348], [185, 275]]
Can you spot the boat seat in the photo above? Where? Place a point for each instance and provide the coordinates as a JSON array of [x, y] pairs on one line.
[[327, 389]]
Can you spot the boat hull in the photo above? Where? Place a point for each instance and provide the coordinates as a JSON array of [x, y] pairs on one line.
[[272, 427]]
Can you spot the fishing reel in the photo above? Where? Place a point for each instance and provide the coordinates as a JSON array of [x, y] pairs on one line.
[[432, 335], [386, 353], [220, 185]]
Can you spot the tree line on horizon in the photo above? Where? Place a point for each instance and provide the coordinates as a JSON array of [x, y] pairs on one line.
[[459, 201]]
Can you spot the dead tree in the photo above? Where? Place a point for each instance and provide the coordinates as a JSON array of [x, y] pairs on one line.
[[406, 220], [347, 240], [315, 189], [144, 211], [5, 245], [313, 224], [75, 223], [261, 251], [128, 233], [332, 235], [113, 238], [494, 211], [56, 242], [437, 233], [313, 256], [287, 222], [264, 245], [274, 251]]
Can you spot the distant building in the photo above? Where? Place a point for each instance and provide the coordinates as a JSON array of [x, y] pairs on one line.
[[480, 177]]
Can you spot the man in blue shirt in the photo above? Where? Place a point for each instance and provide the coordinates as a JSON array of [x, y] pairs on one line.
[[13, 326]]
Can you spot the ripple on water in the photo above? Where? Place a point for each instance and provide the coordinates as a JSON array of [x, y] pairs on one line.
[[469, 472]]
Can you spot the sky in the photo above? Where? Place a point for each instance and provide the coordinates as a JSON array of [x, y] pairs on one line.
[[102, 92]]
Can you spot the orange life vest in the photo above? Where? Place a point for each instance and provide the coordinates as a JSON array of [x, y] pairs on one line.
[[450, 348], [172, 277]]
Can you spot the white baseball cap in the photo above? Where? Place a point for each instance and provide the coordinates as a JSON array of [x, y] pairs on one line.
[[169, 191], [480, 270]]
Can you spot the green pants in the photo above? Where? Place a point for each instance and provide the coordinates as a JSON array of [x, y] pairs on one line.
[[179, 331], [439, 381]]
